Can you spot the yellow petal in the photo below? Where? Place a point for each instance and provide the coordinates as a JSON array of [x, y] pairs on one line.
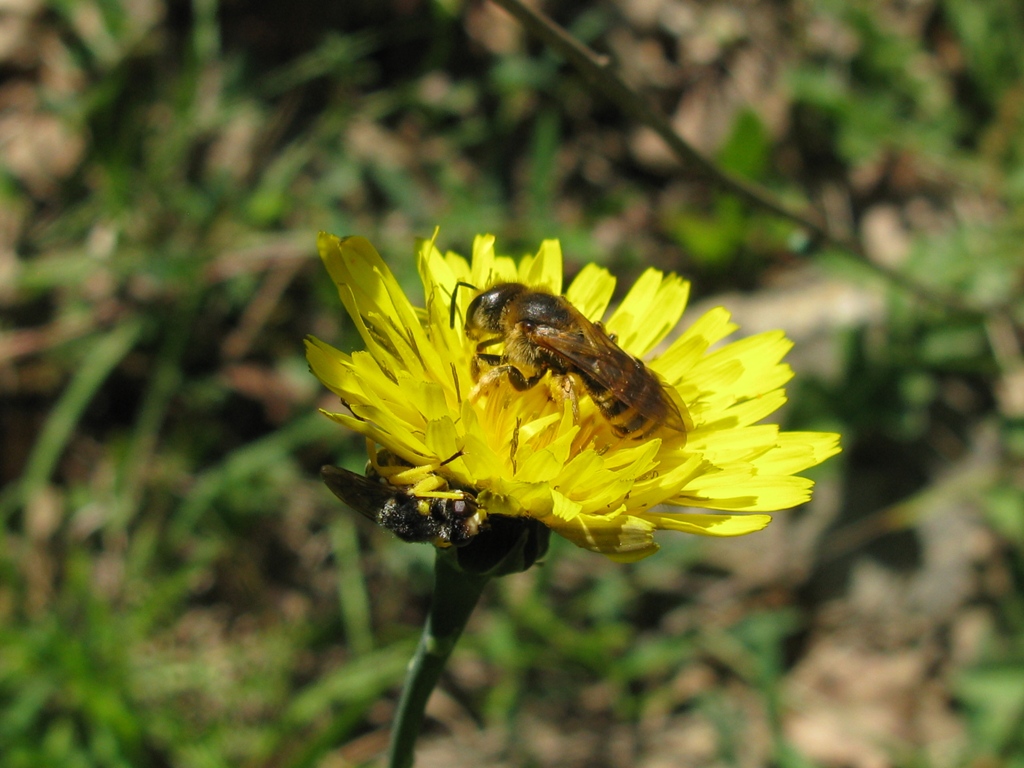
[[747, 367], [400, 441], [545, 464], [744, 412], [624, 538], [686, 351], [721, 446], [389, 324], [564, 507], [591, 291], [488, 268], [441, 438], [650, 310], [739, 493], [666, 485], [709, 525], [483, 261], [796, 451], [545, 269], [327, 363]]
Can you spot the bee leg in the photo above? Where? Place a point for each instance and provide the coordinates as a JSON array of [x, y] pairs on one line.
[[515, 378], [521, 382], [403, 474], [485, 382], [420, 482], [435, 487], [479, 360]]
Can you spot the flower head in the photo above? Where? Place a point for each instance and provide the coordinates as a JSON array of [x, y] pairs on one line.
[[549, 450]]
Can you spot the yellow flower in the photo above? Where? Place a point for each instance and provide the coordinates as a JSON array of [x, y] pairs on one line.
[[526, 453]]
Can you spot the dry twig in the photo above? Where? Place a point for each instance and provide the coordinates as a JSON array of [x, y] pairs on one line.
[[599, 71]]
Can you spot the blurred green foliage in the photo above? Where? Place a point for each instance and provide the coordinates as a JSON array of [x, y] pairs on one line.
[[176, 589]]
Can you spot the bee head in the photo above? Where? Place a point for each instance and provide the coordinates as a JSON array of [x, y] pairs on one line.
[[486, 312]]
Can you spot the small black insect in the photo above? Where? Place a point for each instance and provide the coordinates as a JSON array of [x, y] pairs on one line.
[[442, 522]]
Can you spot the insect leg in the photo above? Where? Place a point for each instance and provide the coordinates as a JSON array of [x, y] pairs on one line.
[[491, 361], [519, 381], [514, 375]]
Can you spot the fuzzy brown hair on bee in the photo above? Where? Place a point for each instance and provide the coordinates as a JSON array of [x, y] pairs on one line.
[[541, 332]]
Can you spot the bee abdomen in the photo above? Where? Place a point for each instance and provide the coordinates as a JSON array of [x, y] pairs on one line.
[[624, 416], [629, 421]]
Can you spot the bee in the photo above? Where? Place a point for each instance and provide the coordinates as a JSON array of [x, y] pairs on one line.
[[542, 332], [439, 520]]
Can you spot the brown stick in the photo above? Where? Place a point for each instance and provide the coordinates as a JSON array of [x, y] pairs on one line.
[[599, 72]]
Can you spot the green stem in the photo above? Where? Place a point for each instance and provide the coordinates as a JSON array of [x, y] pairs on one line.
[[455, 595]]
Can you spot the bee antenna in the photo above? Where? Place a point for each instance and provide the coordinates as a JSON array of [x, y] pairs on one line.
[[454, 306]]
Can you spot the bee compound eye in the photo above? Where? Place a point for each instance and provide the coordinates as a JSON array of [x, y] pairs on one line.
[[464, 507]]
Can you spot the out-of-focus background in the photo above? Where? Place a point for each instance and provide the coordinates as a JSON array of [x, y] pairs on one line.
[[178, 589]]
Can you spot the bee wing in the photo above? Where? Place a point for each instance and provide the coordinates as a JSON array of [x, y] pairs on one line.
[[678, 417], [592, 352], [365, 496]]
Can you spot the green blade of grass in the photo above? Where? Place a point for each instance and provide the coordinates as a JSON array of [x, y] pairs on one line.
[[98, 362], [354, 601], [246, 462]]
